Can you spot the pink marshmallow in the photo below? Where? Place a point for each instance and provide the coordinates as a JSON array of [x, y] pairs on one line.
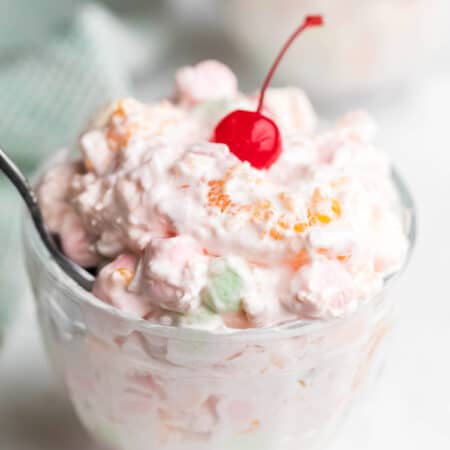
[[96, 153], [291, 110], [167, 275], [323, 288], [359, 124], [208, 80], [111, 286], [53, 192], [75, 241]]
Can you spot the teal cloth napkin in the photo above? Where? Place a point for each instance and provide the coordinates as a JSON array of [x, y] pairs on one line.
[[60, 60], [50, 86], [11, 270]]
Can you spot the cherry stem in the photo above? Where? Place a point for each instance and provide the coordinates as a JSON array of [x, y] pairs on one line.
[[309, 22]]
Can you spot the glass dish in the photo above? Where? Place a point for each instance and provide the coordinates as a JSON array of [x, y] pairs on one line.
[[11, 280], [142, 386]]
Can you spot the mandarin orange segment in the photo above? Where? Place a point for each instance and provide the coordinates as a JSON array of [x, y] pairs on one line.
[[323, 218], [300, 227], [126, 274], [223, 202], [318, 217], [217, 196], [283, 224], [299, 260], [275, 234], [328, 253], [336, 207], [116, 139], [120, 110]]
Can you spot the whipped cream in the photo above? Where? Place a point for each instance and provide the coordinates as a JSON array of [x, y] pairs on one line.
[[184, 233]]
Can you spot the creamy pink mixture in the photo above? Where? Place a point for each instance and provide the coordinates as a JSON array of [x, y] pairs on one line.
[[184, 233]]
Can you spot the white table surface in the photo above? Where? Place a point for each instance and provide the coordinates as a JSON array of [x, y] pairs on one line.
[[412, 409]]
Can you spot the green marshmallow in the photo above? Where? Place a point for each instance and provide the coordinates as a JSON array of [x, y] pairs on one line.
[[200, 317], [224, 292]]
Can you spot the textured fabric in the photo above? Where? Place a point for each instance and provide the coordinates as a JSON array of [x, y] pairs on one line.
[[59, 61], [50, 86]]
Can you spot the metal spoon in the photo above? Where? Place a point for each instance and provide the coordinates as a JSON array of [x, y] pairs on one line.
[[18, 179]]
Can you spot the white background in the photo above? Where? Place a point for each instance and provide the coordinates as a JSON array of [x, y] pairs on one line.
[[412, 409]]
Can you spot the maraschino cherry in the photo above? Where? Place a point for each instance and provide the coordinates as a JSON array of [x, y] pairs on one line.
[[250, 135]]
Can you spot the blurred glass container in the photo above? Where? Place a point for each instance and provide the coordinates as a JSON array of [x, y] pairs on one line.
[[11, 273], [365, 46]]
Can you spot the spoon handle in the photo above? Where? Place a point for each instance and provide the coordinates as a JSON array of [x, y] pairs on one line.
[[24, 188]]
